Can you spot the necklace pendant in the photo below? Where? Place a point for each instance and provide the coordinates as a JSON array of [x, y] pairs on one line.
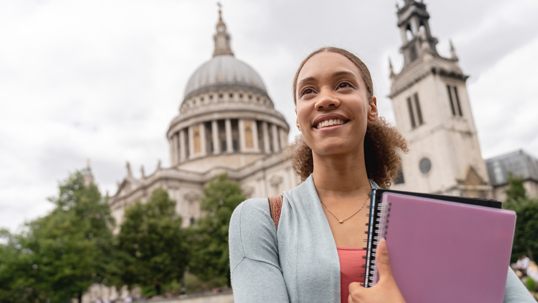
[[341, 221]]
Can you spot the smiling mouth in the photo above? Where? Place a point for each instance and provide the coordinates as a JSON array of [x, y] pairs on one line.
[[330, 122]]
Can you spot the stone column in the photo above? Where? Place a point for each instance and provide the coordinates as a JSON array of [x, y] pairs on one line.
[[229, 143], [283, 138], [182, 149], [414, 26], [171, 144], [276, 146], [404, 35], [266, 143], [215, 134], [202, 139], [175, 148], [191, 142]]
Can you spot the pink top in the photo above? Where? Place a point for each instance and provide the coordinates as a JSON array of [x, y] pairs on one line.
[[351, 268]]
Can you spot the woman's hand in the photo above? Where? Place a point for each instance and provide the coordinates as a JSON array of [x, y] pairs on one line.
[[386, 290]]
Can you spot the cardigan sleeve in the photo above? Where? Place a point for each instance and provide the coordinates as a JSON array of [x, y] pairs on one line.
[[254, 264], [515, 291]]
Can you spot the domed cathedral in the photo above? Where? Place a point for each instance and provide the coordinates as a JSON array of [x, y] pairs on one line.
[[433, 112], [226, 123]]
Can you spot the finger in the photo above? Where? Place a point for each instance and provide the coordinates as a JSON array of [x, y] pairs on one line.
[[355, 288], [382, 260]]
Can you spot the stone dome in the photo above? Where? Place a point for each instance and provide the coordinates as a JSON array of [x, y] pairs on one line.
[[224, 70]]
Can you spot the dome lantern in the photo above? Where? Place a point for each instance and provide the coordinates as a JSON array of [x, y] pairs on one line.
[[222, 38]]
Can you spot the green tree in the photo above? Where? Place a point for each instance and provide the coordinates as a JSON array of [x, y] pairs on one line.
[[153, 246], [57, 257], [209, 235], [526, 208]]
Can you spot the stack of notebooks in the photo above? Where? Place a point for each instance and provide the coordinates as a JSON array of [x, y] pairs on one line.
[[441, 248]]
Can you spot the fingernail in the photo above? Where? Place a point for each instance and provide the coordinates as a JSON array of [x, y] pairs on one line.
[[384, 247]]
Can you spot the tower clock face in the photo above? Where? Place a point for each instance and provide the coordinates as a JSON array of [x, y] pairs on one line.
[[425, 165]]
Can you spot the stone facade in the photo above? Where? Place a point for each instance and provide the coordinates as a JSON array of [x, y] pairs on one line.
[[226, 124], [433, 112]]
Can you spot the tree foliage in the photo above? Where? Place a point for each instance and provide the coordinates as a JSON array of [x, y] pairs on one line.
[[526, 208], [57, 257], [152, 245], [209, 235]]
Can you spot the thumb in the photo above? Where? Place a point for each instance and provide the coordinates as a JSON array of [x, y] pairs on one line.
[[382, 260]]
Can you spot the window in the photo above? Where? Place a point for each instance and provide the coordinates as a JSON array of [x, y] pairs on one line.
[[454, 96], [419, 112], [411, 115], [415, 112], [223, 145], [425, 165], [451, 101], [231, 95], [196, 139], [408, 32], [458, 101], [249, 135], [498, 172], [235, 145]]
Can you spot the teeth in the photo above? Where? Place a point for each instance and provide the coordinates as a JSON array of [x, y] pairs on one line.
[[329, 123]]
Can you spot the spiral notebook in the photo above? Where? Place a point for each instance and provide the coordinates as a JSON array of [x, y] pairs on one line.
[[449, 249]]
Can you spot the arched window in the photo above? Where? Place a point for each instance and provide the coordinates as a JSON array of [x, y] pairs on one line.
[[408, 32]]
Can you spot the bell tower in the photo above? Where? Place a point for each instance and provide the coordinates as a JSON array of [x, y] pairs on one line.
[[433, 112]]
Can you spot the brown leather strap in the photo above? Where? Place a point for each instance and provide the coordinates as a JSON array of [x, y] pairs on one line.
[[275, 207]]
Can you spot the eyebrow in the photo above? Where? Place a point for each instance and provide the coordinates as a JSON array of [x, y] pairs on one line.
[[340, 73]]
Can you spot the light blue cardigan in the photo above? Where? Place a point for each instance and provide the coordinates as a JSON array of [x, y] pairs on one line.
[[299, 263]]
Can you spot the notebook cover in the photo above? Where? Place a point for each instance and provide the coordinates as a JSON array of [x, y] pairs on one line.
[[448, 252], [475, 201]]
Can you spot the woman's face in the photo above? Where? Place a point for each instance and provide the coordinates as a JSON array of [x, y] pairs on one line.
[[332, 105]]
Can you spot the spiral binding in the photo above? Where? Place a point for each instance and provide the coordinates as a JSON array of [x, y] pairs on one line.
[[379, 232]]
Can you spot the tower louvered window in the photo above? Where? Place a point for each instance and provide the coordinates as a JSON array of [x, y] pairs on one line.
[[419, 112], [458, 101], [451, 100], [415, 112], [454, 96], [411, 115]]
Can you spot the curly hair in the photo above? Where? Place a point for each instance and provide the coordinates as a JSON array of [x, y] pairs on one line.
[[382, 141]]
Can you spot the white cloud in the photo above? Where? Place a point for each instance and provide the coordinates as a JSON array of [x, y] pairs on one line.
[[102, 79]]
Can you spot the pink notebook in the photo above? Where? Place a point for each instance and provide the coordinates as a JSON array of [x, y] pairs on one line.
[[443, 251]]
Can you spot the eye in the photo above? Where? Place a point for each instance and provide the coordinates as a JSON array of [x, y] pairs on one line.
[[307, 91], [344, 85]]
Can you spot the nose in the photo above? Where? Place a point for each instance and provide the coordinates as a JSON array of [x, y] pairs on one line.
[[327, 101]]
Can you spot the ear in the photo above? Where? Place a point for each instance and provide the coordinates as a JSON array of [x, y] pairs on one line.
[[373, 113], [297, 120]]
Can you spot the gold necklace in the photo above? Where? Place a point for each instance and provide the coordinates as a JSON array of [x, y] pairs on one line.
[[342, 221]]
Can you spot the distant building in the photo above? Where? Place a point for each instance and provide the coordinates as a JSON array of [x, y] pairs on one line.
[[433, 112], [519, 164], [226, 123]]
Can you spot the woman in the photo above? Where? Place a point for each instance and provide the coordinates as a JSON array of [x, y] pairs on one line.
[[344, 152]]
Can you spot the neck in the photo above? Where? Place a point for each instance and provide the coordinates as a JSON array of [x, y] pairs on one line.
[[341, 175]]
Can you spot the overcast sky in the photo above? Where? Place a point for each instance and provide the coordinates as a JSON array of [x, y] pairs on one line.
[[102, 79]]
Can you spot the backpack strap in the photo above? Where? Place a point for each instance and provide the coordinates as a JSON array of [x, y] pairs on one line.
[[275, 208]]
